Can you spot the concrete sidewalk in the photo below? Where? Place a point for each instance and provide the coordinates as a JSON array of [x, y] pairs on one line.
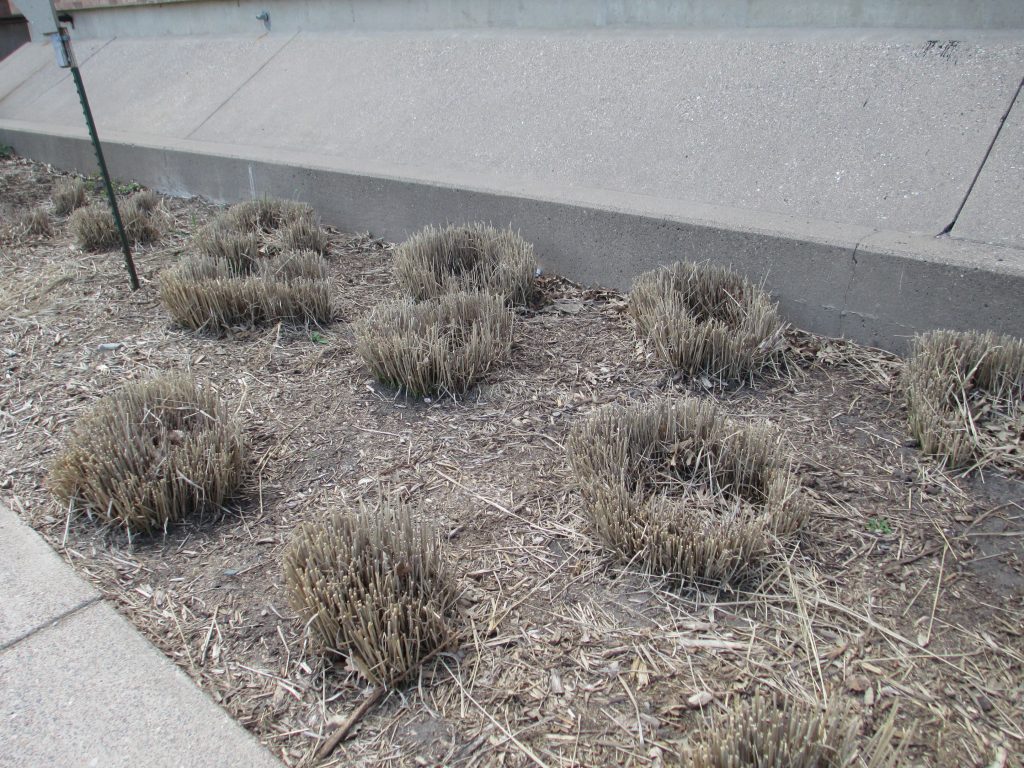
[[80, 687]]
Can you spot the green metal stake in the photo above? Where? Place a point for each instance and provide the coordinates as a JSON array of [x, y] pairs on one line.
[[129, 263]]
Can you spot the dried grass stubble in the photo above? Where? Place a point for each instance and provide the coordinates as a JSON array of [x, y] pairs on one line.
[[221, 242], [246, 232], [266, 214], [707, 320], [151, 454], [210, 294], [304, 234], [684, 491], [767, 732], [259, 262], [442, 345], [95, 230], [965, 397], [35, 223], [475, 257], [371, 585], [69, 194]]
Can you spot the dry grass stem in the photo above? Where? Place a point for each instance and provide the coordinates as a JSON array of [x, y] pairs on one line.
[[965, 397], [680, 489], [442, 345], [151, 454], [706, 320], [475, 257], [372, 586]]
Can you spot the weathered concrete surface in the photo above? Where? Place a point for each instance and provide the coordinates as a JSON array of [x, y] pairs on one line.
[[874, 287], [994, 212], [36, 587], [127, 86], [936, 283], [15, 71], [80, 687], [239, 16], [879, 133], [89, 691], [47, 82]]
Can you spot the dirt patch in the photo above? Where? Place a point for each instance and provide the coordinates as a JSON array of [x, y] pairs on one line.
[[891, 600]]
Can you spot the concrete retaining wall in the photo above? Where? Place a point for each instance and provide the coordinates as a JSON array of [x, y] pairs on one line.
[[875, 287]]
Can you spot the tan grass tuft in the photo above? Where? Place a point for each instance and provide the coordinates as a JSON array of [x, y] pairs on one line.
[[965, 397], [151, 454], [304, 234], [69, 195], [769, 733], [35, 223], [371, 585], [209, 294], [245, 275], [94, 228], [706, 320], [685, 492], [221, 241], [441, 345], [476, 257], [266, 214], [137, 217], [249, 231], [145, 201]]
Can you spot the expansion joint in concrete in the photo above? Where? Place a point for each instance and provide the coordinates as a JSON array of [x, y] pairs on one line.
[[242, 85], [981, 167], [845, 303], [52, 622]]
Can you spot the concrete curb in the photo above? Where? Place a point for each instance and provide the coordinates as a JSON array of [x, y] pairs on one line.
[[80, 686], [875, 287]]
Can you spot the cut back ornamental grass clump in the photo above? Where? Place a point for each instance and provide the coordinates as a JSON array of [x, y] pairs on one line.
[[707, 320], [768, 733], [371, 585], [965, 398], [69, 194], [94, 228], [681, 490], [475, 257], [202, 293], [151, 454], [258, 262], [249, 231], [441, 345], [34, 223]]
